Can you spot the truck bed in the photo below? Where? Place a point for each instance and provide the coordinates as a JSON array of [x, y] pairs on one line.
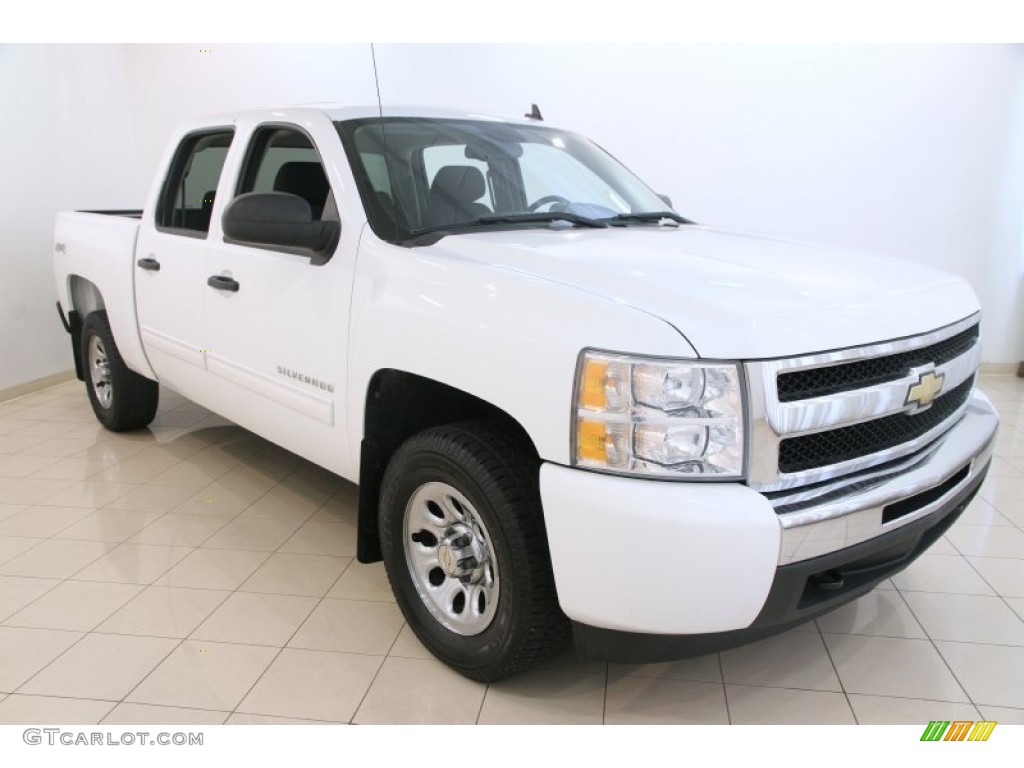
[[94, 256], [130, 213]]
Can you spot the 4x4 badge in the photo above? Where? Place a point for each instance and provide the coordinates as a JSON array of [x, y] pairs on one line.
[[928, 386]]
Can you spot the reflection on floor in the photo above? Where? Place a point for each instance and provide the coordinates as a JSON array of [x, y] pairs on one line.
[[194, 573]]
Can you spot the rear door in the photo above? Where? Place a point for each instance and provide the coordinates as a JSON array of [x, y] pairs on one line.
[[276, 321], [170, 267]]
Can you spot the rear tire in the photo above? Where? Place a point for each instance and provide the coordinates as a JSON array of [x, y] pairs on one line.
[[120, 398], [464, 545]]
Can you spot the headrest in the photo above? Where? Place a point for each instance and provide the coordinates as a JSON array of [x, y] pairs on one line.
[[461, 183], [305, 179]]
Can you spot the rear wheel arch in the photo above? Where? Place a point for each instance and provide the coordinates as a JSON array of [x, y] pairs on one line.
[[121, 399], [85, 298]]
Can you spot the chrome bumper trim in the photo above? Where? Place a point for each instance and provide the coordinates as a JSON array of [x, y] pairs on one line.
[[857, 517]]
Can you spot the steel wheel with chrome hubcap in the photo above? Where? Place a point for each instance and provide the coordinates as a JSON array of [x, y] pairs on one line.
[[448, 552], [463, 542], [99, 368]]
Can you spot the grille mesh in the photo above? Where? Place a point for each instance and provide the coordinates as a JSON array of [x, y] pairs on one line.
[[821, 449], [817, 382]]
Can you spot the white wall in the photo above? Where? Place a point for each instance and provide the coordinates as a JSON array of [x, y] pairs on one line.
[[90, 123], [1002, 286], [169, 83], [915, 151], [66, 141]]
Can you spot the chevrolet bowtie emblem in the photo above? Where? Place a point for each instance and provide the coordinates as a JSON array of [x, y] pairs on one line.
[[927, 388]]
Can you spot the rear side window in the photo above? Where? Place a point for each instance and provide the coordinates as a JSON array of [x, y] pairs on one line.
[[186, 201]]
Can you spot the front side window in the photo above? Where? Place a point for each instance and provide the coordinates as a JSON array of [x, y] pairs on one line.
[[417, 176], [186, 201], [285, 160]]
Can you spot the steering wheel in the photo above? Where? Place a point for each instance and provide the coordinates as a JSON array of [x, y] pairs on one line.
[[546, 200]]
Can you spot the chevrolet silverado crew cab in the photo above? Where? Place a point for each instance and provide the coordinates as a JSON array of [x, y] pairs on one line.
[[569, 410]]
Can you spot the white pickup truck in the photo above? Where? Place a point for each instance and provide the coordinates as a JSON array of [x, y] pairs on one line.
[[568, 408]]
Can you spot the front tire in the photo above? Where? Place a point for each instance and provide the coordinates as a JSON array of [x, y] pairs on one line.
[[120, 398], [464, 545]]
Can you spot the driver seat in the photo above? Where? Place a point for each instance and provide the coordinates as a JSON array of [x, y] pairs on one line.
[[453, 196]]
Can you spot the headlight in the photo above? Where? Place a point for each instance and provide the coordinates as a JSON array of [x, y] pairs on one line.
[[669, 418]]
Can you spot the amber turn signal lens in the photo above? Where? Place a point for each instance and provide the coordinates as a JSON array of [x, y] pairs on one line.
[[595, 379], [592, 440]]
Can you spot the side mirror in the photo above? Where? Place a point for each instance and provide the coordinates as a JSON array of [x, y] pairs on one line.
[[280, 221], [666, 200]]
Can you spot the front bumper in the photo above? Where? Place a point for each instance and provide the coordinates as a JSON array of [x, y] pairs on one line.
[[651, 571]]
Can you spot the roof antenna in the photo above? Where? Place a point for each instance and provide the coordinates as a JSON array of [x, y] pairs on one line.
[[383, 130], [376, 83], [534, 114]]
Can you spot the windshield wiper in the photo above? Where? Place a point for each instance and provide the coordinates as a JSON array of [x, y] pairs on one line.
[[652, 216], [547, 216], [433, 234]]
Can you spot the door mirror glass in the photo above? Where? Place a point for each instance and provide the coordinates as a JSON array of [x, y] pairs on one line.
[[280, 221]]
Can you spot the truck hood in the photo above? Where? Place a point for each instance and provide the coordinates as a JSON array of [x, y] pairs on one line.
[[733, 295]]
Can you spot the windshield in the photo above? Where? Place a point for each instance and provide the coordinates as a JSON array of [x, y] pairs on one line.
[[420, 176]]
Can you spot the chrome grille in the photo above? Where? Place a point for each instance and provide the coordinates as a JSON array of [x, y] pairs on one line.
[[827, 380], [818, 418], [838, 445]]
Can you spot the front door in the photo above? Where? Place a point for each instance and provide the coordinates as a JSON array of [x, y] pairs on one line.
[[277, 322]]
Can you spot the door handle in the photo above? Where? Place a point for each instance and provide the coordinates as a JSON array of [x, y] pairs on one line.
[[223, 283], [149, 263]]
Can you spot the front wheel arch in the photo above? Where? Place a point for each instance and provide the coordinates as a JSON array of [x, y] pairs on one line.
[[399, 405]]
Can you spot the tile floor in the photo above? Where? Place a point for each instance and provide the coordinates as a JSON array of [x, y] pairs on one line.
[[194, 573]]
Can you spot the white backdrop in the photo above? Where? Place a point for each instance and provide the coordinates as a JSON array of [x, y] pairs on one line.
[[914, 151], [67, 140]]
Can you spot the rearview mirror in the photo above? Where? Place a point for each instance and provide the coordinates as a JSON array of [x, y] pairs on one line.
[[666, 200], [280, 221]]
